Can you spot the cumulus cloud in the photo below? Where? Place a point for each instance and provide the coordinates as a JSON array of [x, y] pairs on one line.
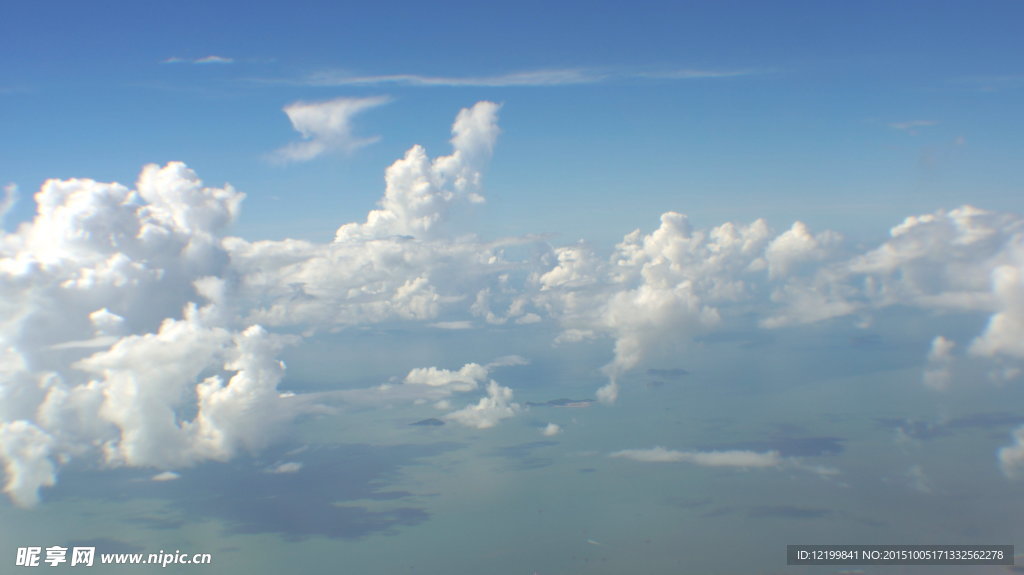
[[551, 430], [656, 291], [467, 378], [105, 350], [490, 410], [1011, 457], [944, 261], [795, 246], [133, 332], [661, 289], [165, 476], [325, 127], [733, 458], [26, 453], [401, 264], [1004, 334], [419, 191]]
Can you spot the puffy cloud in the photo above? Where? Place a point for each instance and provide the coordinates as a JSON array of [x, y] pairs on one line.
[[656, 290], [326, 126], [733, 458], [467, 378], [1005, 331], [795, 246], [551, 430], [98, 358], [419, 191], [486, 413], [165, 476], [26, 453], [937, 373], [660, 289], [944, 261], [398, 264], [130, 328], [1011, 457]]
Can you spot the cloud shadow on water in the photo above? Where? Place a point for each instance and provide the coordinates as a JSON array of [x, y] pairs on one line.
[[523, 457], [787, 446], [248, 499], [927, 430]]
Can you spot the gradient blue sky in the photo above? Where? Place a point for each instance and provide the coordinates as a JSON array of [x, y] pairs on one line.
[[845, 115], [847, 369]]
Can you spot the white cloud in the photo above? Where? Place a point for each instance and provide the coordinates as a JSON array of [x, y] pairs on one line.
[[551, 430], [529, 78], [919, 480], [553, 77], [467, 378], [795, 246], [326, 127], [938, 372], [486, 413], [656, 291], [420, 191], [733, 458], [211, 59], [912, 126], [659, 290], [133, 332], [165, 476], [1005, 331], [608, 393], [1011, 457], [941, 261], [26, 453], [286, 467], [508, 361], [7, 203], [453, 325], [214, 60]]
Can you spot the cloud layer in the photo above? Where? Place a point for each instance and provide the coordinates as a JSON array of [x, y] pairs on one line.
[[133, 332]]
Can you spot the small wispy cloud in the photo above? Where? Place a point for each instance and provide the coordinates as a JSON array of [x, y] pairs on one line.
[[529, 78], [211, 59], [733, 458], [991, 83], [912, 126], [286, 467], [8, 200], [325, 126], [695, 74]]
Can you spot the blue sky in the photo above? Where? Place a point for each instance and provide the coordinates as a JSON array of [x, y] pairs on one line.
[[359, 259], [801, 126]]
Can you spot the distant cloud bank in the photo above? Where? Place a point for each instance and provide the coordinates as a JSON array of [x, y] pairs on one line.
[[123, 308]]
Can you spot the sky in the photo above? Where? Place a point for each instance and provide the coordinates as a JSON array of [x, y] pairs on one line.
[[759, 249]]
